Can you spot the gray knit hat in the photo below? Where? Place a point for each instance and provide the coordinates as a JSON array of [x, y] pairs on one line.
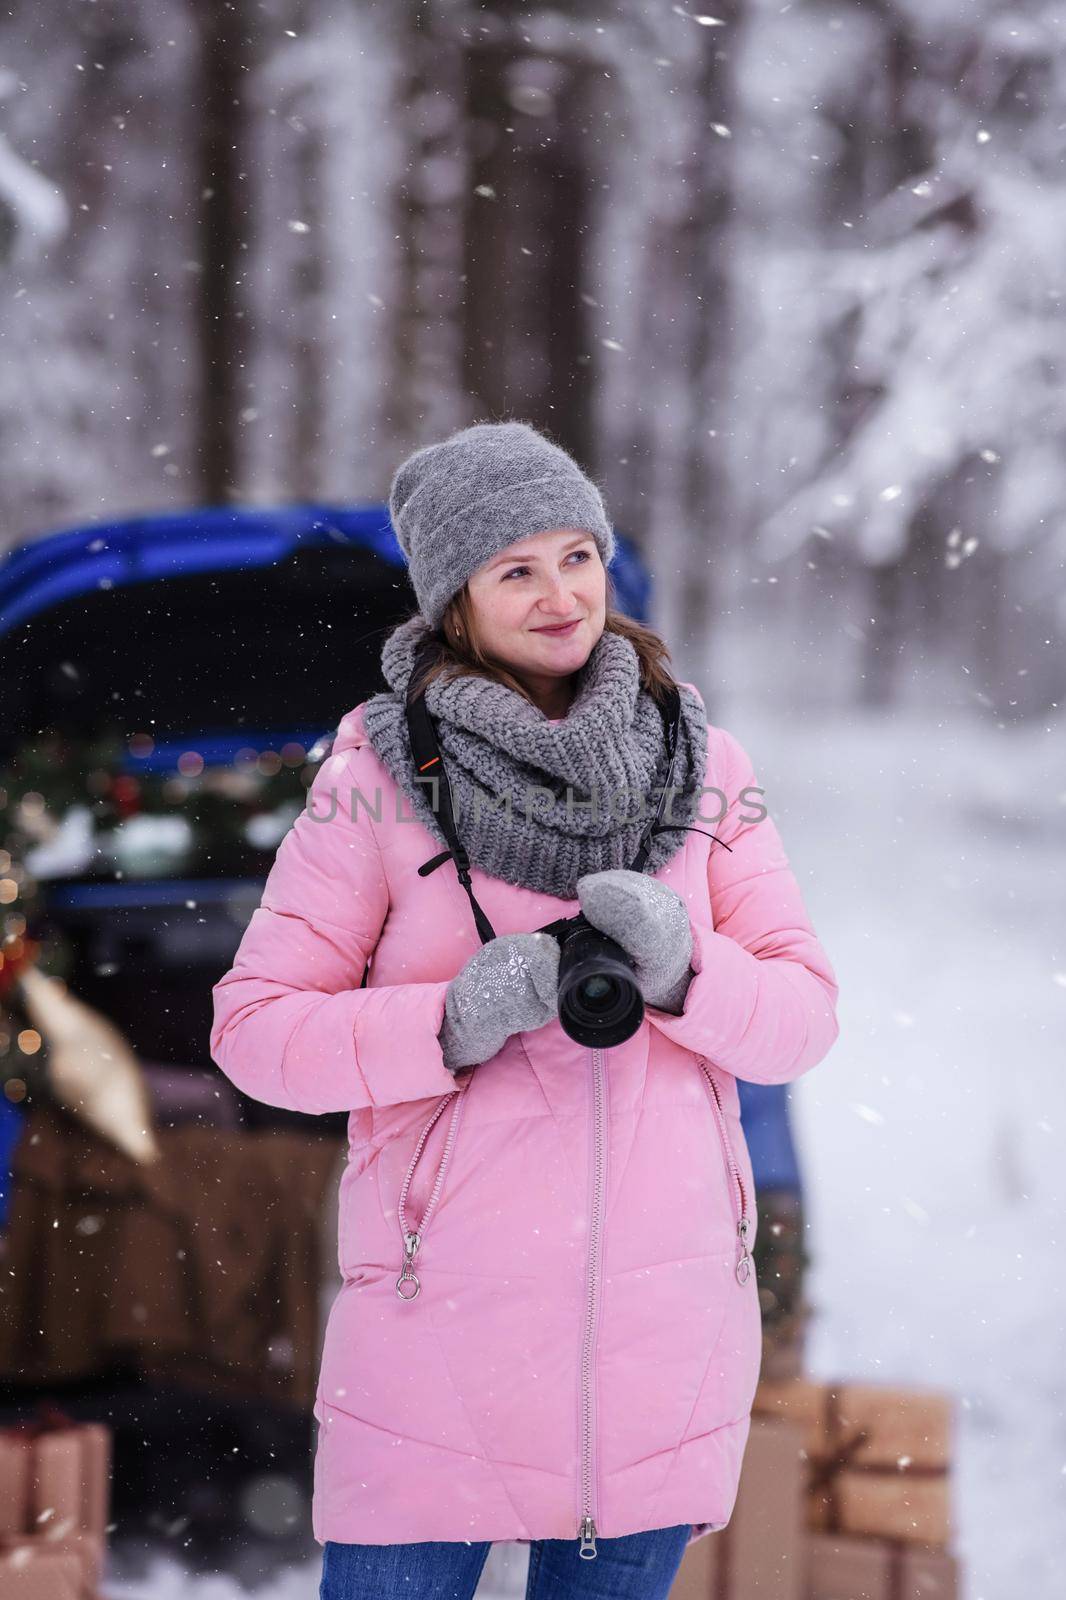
[[455, 504]]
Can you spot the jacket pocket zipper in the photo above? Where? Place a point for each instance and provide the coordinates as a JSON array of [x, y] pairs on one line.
[[412, 1238], [743, 1220]]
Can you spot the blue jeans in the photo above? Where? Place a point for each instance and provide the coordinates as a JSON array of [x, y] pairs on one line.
[[637, 1566]]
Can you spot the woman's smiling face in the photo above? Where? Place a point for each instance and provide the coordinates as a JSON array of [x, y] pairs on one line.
[[544, 580]]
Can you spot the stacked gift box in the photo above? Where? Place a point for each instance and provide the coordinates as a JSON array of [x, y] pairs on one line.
[[55, 1489], [844, 1495]]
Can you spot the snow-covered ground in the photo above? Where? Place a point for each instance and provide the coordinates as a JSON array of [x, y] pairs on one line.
[[931, 855], [930, 1136]]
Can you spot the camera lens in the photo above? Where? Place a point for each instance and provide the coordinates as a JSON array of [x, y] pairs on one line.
[[600, 1003], [598, 993]]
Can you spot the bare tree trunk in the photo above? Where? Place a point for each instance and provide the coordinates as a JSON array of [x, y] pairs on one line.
[[309, 357], [706, 248], [526, 334], [222, 227], [679, 352], [425, 387]]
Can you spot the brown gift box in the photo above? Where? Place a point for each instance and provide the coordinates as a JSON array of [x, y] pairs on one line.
[[201, 1270], [15, 1462], [843, 1567], [79, 1552], [877, 1456], [40, 1575], [759, 1554], [54, 1497]]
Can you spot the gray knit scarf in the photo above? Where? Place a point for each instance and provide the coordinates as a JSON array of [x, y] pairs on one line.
[[603, 766]]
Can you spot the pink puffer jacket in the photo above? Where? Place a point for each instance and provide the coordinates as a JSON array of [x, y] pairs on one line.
[[549, 1323]]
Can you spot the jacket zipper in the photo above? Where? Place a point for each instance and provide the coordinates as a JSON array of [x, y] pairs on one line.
[[587, 1526], [412, 1238], [743, 1266]]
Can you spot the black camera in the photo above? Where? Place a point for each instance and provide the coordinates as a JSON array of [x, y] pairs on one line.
[[600, 1003]]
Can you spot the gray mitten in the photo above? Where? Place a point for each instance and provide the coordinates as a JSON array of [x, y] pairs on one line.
[[649, 920], [510, 985]]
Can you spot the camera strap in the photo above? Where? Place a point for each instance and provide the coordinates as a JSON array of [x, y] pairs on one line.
[[430, 766]]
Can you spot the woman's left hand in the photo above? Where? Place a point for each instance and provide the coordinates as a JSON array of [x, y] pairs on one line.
[[649, 920]]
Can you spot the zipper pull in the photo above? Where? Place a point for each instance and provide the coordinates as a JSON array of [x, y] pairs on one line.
[[411, 1242], [744, 1264], [587, 1536]]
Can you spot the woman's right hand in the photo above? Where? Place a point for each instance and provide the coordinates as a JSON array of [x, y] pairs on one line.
[[508, 986]]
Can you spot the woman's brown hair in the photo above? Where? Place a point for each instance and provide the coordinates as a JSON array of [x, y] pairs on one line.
[[460, 655]]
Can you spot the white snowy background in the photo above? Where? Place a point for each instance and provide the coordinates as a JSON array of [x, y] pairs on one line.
[[812, 346]]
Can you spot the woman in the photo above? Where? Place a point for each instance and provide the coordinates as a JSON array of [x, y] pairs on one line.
[[548, 1328]]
